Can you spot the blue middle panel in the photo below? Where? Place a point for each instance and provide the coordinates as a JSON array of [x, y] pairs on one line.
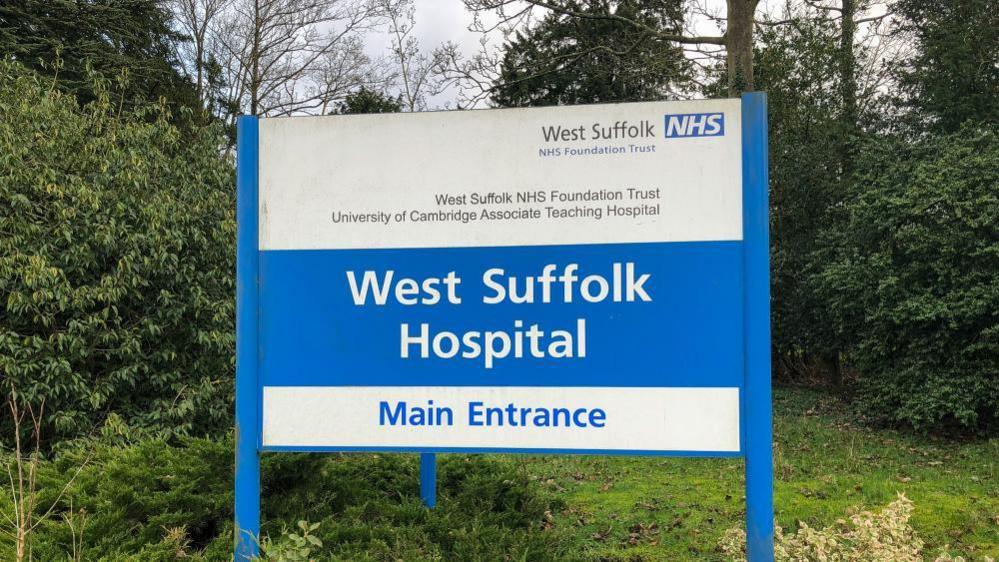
[[689, 334]]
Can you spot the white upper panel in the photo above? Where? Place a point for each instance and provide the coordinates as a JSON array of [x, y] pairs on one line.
[[410, 180]]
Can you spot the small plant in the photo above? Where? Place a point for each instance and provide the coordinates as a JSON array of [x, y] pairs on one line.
[[865, 537], [22, 475], [76, 521], [292, 546]]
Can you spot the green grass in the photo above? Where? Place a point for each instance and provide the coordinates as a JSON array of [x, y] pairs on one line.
[[646, 508], [148, 500]]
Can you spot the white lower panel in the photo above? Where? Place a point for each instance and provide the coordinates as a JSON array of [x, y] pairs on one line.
[[646, 419]]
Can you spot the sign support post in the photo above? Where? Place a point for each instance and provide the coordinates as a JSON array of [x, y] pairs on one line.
[[428, 479], [247, 506], [758, 432]]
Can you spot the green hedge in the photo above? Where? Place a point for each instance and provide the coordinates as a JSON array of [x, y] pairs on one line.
[[911, 278], [116, 262], [153, 501]]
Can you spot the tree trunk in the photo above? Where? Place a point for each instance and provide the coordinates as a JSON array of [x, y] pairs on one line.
[[199, 57], [21, 552], [848, 85], [739, 46], [255, 60], [848, 134]]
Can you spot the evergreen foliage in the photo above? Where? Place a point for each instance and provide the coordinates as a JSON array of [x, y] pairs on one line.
[[366, 100], [571, 60], [865, 278], [151, 501], [796, 66], [953, 76], [910, 279], [71, 38], [116, 263]]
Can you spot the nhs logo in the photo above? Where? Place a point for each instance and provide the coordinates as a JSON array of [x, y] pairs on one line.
[[695, 125]]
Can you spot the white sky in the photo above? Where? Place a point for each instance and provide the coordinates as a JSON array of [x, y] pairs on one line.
[[437, 21]]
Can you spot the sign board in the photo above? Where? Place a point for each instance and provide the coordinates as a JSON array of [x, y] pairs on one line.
[[586, 279]]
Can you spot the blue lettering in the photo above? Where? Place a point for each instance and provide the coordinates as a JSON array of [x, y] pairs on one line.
[[393, 416], [597, 417], [555, 414], [511, 415], [474, 411]]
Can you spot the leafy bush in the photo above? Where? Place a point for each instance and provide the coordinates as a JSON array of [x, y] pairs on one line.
[[116, 262], [912, 280], [863, 537], [293, 546]]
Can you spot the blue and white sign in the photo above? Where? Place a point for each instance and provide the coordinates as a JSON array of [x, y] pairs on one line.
[[588, 279]]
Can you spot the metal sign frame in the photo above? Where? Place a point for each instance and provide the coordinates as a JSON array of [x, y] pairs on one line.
[[756, 415]]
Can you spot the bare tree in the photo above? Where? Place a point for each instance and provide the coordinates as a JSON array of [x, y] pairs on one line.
[[282, 56], [507, 15], [472, 78], [345, 70], [413, 68], [197, 20]]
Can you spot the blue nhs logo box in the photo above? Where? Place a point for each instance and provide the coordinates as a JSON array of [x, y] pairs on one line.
[[695, 125]]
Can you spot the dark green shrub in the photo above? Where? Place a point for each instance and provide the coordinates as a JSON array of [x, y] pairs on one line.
[[146, 501], [153, 501], [368, 508], [797, 67], [116, 263], [912, 280]]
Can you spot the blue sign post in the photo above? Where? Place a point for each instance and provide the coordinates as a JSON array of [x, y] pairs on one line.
[[247, 506], [758, 427], [574, 280]]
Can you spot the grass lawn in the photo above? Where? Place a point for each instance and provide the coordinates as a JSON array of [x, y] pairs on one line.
[[646, 508]]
